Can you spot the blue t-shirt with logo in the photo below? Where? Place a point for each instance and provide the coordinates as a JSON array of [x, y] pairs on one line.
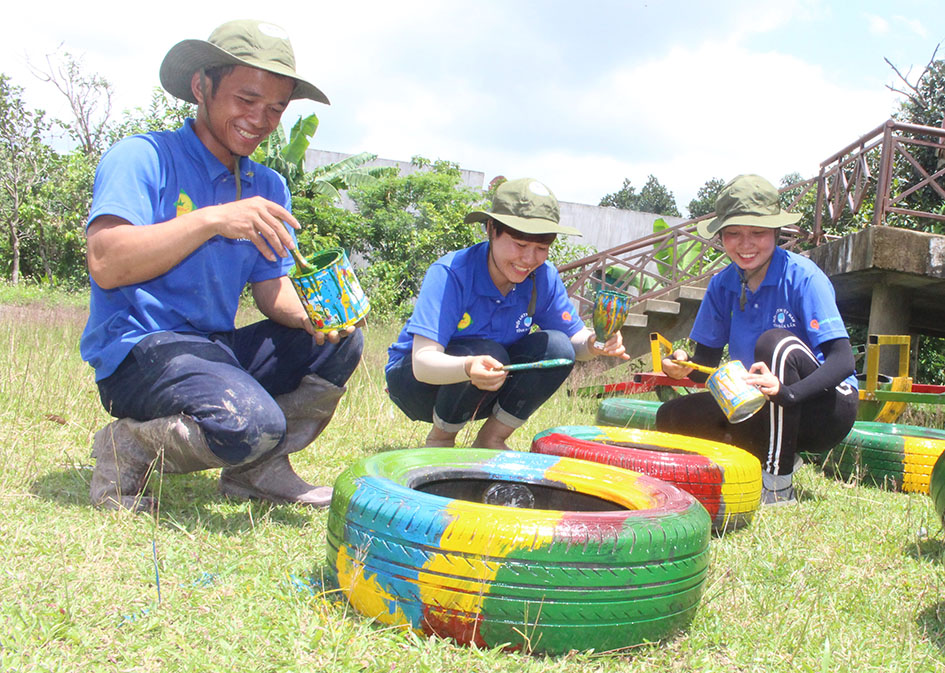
[[795, 295], [459, 300], [152, 178]]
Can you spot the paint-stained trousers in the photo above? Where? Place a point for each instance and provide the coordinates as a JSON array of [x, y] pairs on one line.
[[775, 433], [225, 381]]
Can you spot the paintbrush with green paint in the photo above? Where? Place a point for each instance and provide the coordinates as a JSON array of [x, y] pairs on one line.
[[540, 364]]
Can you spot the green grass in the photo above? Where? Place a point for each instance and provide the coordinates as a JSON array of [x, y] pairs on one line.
[[850, 580]]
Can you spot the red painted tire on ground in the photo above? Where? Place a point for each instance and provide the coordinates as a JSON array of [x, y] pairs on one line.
[[404, 552], [724, 478]]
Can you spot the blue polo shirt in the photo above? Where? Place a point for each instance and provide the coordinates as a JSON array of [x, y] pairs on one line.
[[459, 300], [151, 178], [794, 295]]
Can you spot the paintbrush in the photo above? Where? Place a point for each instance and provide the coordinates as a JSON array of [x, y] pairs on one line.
[[698, 368], [540, 364]]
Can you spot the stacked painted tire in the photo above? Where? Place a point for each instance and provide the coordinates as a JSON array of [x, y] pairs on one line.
[[724, 478], [892, 455], [625, 412], [540, 580]]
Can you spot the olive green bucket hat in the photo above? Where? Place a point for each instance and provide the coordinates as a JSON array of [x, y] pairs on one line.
[[525, 205], [749, 200], [256, 44]]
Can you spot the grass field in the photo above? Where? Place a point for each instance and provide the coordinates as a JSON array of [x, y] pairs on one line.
[[850, 580]]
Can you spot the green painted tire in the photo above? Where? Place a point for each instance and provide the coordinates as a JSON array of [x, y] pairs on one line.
[[724, 478], [937, 487], [628, 569], [626, 412], [886, 454]]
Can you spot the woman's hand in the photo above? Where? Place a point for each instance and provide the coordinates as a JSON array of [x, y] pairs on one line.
[[673, 370], [761, 378], [485, 372], [612, 348]]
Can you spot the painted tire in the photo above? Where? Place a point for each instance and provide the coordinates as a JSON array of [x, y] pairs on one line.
[[541, 580], [883, 454], [724, 478], [624, 412], [937, 487]]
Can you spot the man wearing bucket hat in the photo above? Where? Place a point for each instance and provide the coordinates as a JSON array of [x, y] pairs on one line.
[[496, 303], [777, 313], [181, 222]]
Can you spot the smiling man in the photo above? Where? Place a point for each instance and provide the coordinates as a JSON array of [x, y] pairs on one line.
[[181, 222]]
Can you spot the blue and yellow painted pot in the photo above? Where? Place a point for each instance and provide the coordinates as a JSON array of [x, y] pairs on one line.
[[331, 293]]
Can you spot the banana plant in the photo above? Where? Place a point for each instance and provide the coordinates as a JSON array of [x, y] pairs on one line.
[[667, 258]]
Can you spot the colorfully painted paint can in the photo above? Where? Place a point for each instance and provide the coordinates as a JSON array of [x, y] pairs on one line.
[[331, 294], [610, 313], [737, 399]]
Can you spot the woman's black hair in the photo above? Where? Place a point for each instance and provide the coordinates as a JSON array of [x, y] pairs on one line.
[[500, 229]]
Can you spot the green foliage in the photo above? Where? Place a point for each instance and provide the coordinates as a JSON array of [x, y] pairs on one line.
[[164, 113], [653, 198], [286, 154], [407, 223], [25, 165], [685, 256], [704, 203]]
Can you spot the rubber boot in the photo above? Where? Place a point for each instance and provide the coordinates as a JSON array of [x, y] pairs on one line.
[[307, 409], [126, 451], [777, 489]]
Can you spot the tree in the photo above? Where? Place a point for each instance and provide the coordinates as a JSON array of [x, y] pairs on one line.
[[164, 113], [24, 162], [407, 223], [704, 203], [89, 96], [653, 198]]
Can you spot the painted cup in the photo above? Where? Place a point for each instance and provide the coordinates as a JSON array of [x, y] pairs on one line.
[[737, 399], [610, 313], [331, 294]]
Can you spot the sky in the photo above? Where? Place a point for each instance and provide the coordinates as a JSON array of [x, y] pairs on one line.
[[578, 95]]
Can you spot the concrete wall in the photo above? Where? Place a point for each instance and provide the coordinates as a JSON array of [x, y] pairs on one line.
[[605, 228], [602, 228]]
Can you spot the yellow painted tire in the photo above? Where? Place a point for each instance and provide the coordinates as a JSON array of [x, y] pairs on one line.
[[627, 568], [724, 478]]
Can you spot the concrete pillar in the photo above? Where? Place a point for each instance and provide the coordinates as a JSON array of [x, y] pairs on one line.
[[890, 313]]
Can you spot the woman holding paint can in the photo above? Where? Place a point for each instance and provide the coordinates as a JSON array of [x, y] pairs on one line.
[[776, 311], [495, 303]]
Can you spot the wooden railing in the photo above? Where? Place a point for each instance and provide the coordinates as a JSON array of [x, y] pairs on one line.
[[655, 265]]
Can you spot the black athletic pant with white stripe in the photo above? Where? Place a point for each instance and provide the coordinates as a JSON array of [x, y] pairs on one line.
[[775, 433]]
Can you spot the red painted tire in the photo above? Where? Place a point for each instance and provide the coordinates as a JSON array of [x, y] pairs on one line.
[[724, 478], [627, 568]]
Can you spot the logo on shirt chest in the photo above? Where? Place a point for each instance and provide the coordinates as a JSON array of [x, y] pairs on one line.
[[184, 204], [783, 318], [524, 323]]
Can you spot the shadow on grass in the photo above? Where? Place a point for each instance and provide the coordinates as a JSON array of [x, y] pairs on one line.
[[930, 550], [931, 621], [187, 501]]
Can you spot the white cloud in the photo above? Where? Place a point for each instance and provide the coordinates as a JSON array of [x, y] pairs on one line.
[[877, 25], [913, 25]]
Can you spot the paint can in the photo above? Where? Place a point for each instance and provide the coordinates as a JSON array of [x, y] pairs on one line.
[[737, 399], [611, 309], [331, 294]]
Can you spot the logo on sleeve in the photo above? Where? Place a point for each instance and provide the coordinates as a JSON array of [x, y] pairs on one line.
[[566, 316], [465, 321], [814, 324]]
